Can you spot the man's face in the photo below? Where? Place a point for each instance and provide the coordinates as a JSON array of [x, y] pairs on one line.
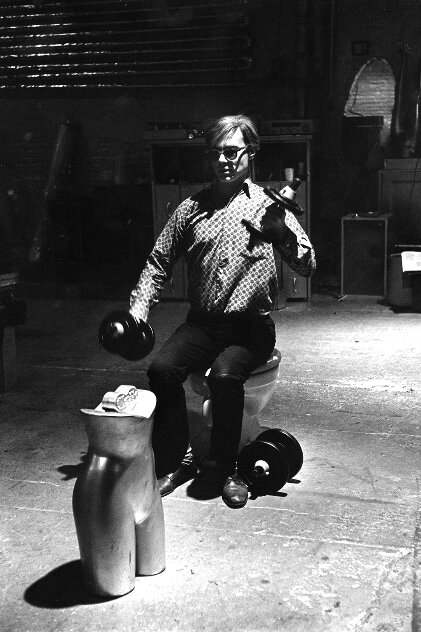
[[230, 170]]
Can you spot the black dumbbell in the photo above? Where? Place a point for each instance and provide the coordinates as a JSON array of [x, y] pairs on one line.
[[270, 461], [121, 333], [286, 197]]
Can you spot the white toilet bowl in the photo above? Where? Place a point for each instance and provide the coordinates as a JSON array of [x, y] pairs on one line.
[[258, 390]]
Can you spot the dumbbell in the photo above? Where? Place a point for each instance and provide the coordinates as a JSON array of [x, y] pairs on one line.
[[286, 197], [270, 461], [120, 333]]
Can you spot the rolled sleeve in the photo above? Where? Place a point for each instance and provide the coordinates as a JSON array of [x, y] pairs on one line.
[[158, 267]]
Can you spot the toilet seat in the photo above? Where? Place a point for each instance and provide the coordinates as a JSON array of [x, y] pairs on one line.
[[270, 364]]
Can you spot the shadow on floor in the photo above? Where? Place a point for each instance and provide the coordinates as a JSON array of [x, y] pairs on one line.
[[60, 588], [72, 471]]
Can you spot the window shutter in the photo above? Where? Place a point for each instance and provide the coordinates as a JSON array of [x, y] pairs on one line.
[[122, 43]]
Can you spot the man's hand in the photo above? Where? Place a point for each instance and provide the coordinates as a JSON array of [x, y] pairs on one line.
[[272, 226]]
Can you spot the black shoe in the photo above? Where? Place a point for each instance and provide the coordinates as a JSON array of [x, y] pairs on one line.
[[187, 470], [208, 483], [235, 492]]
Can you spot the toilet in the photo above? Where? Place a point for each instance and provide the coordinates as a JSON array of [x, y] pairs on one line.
[[258, 390]]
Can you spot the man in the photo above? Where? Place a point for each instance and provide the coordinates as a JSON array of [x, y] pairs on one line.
[[232, 288]]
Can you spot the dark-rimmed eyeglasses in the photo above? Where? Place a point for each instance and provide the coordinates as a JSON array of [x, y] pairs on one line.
[[230, 153]]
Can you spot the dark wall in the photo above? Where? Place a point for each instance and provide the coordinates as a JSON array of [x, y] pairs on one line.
[[383, 26], [304, 63], [114, 121]]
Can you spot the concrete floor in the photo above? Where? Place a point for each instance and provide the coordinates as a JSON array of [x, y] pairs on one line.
[[338, 550]]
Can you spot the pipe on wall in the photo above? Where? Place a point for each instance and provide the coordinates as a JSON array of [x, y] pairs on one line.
[[301, 56]]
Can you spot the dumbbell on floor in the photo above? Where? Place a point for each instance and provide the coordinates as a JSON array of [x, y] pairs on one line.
[[122, 334], [270, 461]]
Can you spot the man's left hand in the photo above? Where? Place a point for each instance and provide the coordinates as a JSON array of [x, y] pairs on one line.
[[272, 226]]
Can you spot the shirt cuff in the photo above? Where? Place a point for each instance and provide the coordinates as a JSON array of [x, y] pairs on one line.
[[139, 312]]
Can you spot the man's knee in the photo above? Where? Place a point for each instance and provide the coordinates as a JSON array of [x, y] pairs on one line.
[[222, 375], [224, 381], [224, 371]]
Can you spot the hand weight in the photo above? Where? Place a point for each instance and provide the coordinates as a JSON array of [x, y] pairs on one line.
[[270, 461], [122, 334], [286, 197]]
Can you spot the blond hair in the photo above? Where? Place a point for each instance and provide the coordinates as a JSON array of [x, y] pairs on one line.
[[227, 125]]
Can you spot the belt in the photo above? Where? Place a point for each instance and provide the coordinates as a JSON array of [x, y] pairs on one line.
[[200, 316]]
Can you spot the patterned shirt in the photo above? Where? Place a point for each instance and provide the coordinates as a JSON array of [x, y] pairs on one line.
[[228, 271]]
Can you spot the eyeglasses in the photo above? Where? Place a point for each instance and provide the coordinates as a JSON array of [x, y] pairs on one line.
[[230, 153]]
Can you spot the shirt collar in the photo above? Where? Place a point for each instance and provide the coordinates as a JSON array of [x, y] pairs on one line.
[[245, 187]]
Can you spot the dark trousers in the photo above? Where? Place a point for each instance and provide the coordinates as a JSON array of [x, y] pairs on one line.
[[232, 346]]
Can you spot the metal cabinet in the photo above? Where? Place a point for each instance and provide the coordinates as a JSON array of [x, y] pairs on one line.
[[400, 196], [364, 250], [296, 286], [278, 155]]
